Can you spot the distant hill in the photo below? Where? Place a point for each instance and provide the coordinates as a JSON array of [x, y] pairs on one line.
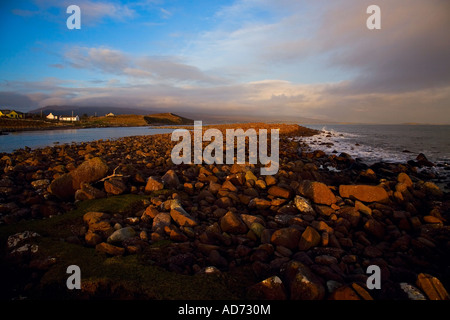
[[132, 120], [155, 118], [167, 118]]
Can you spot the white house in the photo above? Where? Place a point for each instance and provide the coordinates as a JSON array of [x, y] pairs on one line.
[[52, 117], [109, 114], [68, 118]]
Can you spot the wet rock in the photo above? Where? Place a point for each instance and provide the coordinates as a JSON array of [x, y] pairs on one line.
[[279, 192], [115, 186], [258, 203], [325, 260], [250, 176], [261, 184], [160, 221], [170, 179], [270, 180], [286, 237], [363, 208], [109, 249], [325, 211], [121, 235], [310, 238], [412, 292], [103, 228], [183, 219], [227, 185], [89, 171], [232, 223], [269, 289], [302, 283], [432, 220], [251, 219], [40, 184], [92, 239], [351, 215], [405, 179], [344, 293], [375, 228], [364, 193], [350, 292], [216, 259], [423, 161], [432, 189], [88, 192], [62, 187], [317, 192], [303, 205], [368, 175], [94, 217], [18, 238], [432, 287], [372, 252], [257, 229], [153, 184]]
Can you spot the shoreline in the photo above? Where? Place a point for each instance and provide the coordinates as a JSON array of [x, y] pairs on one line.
[[306, 220]]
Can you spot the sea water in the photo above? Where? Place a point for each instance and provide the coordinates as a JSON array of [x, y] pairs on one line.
[[43, 138], [387, 143]]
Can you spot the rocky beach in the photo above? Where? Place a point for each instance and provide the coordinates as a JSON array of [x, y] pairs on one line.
[[141, 227]]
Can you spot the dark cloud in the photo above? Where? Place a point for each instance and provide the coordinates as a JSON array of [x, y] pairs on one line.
[[410, 52], [15, 101]]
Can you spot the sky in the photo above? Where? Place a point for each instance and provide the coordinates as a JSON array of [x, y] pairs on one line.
[[274, 59]]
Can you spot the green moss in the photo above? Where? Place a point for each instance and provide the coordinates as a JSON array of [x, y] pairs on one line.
[[63, 225], [102, 276], [121, 277]]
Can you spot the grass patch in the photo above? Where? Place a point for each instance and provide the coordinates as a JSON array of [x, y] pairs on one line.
[[61, 226], [103, 277]]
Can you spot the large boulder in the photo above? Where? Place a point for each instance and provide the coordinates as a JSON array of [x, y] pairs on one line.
[[364, 193], [232, 223], [310, 238], [279, 192], [153, 184], [269, 289], [432, 287], [66, 185], [182, 218], [121, 235], [317, 192], [286, 237], [170, 179], [115, 186], [89, 171], [303, 283]]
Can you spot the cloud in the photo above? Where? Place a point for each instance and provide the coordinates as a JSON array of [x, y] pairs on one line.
[[93, 12], [322, 39], [270, 99], [152, 68], [14, 100], [166, 14], [409, 53], [57, 65]]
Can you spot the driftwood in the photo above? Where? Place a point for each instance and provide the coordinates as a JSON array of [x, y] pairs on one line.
[[113, 175]]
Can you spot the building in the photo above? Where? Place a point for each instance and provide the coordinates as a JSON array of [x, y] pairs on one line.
[[69, 118], [11, 114], [109, 114], [52, 117]]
